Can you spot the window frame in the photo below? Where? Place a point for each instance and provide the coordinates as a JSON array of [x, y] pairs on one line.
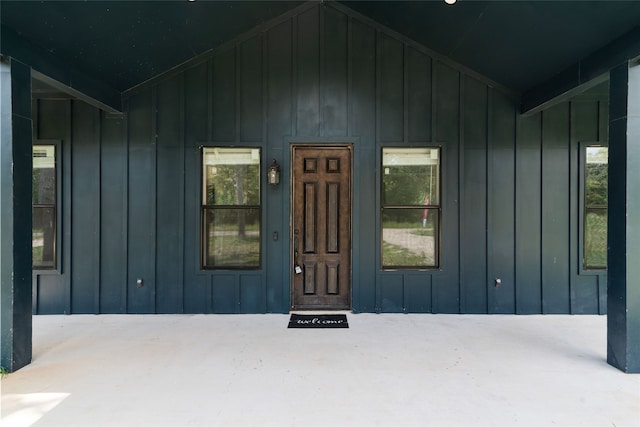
[[56, 268], [432, 207], [204, 208], [582, 207]]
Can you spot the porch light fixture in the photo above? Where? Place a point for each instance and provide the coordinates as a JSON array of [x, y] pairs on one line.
[[450, 1], [273, 173]]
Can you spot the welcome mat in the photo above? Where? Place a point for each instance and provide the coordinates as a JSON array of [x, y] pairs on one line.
[[318, 321]]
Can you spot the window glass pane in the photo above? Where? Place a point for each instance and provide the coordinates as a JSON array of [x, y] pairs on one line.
[[43, 237], [596, 176], [595, 207], [44, 174], [43, 186], [410, 237], [231, 176], [232, 237], [410, 176], [595, 238]]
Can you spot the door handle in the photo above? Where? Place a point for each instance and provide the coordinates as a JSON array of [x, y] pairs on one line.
[[296, 266]]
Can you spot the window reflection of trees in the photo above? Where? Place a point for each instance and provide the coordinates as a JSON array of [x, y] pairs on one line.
[[595, 207], [231, 208], [410, 207]]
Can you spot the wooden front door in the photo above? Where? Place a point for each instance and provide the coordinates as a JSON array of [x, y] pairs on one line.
[[321, 227]]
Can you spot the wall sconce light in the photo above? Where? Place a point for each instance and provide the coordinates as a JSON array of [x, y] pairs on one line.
[[273, 173]]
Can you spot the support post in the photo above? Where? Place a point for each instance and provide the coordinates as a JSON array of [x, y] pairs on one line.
[[15, 221], [623, 255]]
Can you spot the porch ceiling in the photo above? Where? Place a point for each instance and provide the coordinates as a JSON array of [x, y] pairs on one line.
[[518, 44]]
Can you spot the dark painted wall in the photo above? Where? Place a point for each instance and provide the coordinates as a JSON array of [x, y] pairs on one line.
[[131, 185]]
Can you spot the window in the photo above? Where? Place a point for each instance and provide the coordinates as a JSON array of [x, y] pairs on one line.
[[411, 208], [231, 209], [43, 235], [595, 208]]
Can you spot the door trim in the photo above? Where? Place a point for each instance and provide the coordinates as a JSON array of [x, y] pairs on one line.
[[291, 259]]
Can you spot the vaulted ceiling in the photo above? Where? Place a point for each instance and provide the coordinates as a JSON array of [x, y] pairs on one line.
[[520, 45]]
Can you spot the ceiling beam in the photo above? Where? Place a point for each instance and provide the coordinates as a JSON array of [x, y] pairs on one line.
[[584, 74], [59, 73]]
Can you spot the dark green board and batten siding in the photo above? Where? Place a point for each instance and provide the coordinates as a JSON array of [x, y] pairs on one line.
[[131, 184]]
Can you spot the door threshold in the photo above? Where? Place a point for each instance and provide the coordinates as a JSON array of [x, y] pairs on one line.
[[320, 311]]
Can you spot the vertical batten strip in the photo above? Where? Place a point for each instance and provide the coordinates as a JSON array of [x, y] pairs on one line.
[[573, 158], [434, 135], [98, 223], [405, 93], [154, 192], [208, 287], [434, 120], [489, 196], [350, 77], [541, 208], [35, 110], [462, 90], [378, 302], [434, 104], [321, 71], [125, 203], [182, 214], [210, 95], [568, 194], [68, 200], [294, 75], [238, 81], [515, 228], [264, 220]]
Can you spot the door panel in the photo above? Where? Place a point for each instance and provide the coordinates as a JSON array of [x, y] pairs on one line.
[[321, 227]]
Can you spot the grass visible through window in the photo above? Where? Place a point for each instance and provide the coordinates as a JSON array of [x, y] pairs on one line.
[[235, 251], [395, 255], [595, 239]]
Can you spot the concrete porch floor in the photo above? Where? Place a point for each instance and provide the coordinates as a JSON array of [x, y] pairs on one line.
[[385, 370]]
